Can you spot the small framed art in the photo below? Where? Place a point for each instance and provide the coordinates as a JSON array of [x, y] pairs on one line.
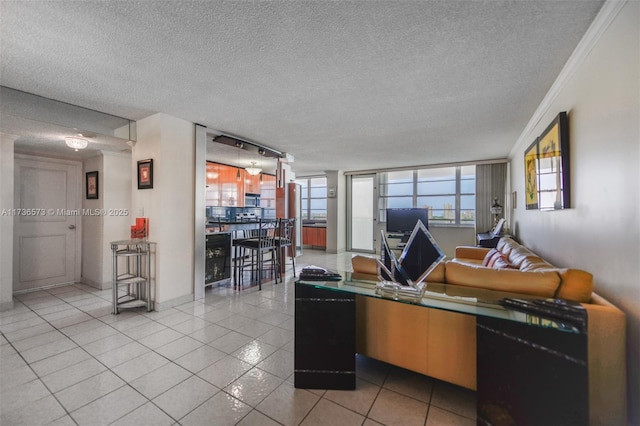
[[145, 174], [91, 180]]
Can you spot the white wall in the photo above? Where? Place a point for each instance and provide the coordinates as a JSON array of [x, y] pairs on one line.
[[117, 197], [169, 141], [336, 212], [92, 225], [114, 197], [601, 232], [6, 222]]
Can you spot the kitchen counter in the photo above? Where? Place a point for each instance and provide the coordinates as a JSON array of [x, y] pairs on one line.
[[314, 225], [233, 225]]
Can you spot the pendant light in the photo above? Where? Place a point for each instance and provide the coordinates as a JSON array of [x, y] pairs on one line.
[[253, 170], [76, 142], [239, 145]]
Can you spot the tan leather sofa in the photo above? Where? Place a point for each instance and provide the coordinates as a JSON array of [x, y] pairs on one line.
[[442, 344]]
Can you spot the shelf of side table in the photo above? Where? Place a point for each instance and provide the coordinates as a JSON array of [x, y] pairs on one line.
[[131, 282]]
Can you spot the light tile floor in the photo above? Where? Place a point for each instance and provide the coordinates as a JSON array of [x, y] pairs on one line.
[[224, 360]]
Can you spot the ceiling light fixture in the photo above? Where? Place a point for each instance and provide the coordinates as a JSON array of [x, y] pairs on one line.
[[253, 170], [76, 142]]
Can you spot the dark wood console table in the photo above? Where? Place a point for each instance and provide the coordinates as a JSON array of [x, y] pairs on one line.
[[530, 369]]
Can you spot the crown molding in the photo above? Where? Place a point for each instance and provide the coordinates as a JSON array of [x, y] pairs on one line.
[[607, 14]]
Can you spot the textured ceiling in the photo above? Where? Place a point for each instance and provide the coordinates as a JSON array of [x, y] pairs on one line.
[[342, 85]]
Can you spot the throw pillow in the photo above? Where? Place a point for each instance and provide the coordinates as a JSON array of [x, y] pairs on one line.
[[502, 263], [491, 257]]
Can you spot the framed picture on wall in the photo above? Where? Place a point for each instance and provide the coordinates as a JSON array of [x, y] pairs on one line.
[[546, 168], [553, 166], [531, 176], [91, 183], [145, 174]]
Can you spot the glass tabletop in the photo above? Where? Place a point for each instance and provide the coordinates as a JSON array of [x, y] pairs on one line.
[[464, 300]]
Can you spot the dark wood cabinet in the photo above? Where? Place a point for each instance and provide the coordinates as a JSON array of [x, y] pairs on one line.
[[314, 236]]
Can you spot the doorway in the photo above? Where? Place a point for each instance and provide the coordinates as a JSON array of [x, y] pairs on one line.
[[46, 243], [363, 213]]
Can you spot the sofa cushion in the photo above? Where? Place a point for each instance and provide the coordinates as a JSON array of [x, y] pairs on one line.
[[521, 255], [471, 252], [364, 265], [505, 245], [502, 263], [536, 283], [473, 262], [437, 275], [491, 257], [534, 264], [366, 268]]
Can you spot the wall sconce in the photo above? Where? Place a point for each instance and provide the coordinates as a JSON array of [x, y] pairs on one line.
[[496, 211]]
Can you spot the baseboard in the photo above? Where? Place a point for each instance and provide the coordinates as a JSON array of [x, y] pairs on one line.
[[168, 304], [100, 286], [6, 306], [334, 251]]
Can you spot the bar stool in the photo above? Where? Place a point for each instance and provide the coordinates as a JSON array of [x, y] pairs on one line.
[[284, 241], [252, 249]]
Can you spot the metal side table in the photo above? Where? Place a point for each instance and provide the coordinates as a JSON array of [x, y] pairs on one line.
[[131, 282]]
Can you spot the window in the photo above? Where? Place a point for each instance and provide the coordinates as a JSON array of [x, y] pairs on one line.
[[448, 193], [314, 198]]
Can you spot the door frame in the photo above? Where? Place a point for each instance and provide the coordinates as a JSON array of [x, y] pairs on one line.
[[78, 166]]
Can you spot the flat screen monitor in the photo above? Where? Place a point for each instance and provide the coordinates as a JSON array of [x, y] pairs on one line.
[[402, 221]]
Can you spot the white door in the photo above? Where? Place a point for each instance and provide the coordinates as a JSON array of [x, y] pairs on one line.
[[46, 218], [363, 213]]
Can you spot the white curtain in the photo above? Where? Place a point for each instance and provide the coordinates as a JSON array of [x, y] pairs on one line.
[[491, 180]]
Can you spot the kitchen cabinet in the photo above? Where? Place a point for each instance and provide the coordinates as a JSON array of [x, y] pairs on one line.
[[268, 192], [251, 183], [223, 187], [217, 258], [225, 190], [314, 236]]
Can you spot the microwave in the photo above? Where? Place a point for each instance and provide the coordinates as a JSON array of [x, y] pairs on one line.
[[252, 200]]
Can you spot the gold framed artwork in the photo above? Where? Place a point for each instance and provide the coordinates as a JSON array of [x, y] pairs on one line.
[[546, 161], [531, 176]]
